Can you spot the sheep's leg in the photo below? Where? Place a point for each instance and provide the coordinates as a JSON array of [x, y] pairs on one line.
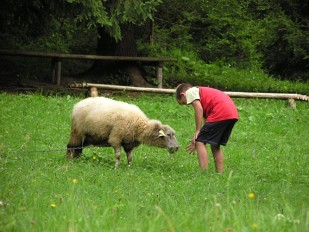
[[129, 156], [117, 156], [115, 142], [74, 147], [129, 149]]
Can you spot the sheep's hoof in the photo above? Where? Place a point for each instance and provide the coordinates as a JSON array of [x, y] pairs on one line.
[[74, 152], [70, 153]]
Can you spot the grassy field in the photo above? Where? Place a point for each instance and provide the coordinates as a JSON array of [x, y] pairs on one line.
[[264, 188]]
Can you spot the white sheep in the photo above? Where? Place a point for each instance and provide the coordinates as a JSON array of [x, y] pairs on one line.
[[101, 121]]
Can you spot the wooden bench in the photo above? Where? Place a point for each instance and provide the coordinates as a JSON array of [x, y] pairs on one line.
[[56, 59]]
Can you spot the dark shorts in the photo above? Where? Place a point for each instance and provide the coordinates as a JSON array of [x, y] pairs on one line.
[[216, 133]]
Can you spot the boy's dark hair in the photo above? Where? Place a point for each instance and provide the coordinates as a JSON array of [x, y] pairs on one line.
[[182, 88]]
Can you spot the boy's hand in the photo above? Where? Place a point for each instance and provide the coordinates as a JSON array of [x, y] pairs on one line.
[[191, 148], [195, 136]]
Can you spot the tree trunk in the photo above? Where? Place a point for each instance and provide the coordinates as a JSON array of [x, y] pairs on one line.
[[108, 46]]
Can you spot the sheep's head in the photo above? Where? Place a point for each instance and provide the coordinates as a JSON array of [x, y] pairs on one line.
[[168, 135], [161, 136]]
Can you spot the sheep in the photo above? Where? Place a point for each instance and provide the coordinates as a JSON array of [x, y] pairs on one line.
[[101, 121]]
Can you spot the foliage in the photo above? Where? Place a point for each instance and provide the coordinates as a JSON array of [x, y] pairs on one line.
[[42, 26], [112, 14], [264, 187], [246, 34], [250, 33], [287, 53], [189, 68]]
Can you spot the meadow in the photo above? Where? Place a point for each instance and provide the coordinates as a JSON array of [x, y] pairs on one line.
[[264, 187]]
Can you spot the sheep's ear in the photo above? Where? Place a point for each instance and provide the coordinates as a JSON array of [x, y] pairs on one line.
[[161, 133]]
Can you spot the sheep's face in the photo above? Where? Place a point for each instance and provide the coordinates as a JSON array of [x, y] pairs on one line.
[[158, 135], [167, 139]]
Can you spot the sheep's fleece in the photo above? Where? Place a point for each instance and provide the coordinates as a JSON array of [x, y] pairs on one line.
[[101, 121]]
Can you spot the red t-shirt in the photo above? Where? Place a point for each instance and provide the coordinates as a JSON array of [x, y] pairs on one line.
[[217, 106]]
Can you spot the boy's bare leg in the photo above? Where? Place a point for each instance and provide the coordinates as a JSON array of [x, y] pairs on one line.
[[218, 157], [202, 155]]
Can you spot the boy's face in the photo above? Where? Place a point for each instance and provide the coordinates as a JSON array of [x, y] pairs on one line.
[[183, 99]]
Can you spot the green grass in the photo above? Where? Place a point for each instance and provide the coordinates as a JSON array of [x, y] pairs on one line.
[[267, 155]]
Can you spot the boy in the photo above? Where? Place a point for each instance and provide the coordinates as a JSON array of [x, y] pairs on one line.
[[220, 114]]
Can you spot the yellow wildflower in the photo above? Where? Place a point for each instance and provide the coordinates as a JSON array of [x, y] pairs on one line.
[[53, 205], [74, 181], [251, 195], [254, 226]]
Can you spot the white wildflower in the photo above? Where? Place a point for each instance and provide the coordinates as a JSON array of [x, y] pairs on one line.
[[280, 217]]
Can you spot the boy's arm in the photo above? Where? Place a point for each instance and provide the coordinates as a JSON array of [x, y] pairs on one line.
[[198, 117]]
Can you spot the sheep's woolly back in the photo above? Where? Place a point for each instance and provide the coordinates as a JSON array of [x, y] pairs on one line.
[[103, 118]]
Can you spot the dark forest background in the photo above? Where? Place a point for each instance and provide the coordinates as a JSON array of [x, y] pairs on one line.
[[215, 42]]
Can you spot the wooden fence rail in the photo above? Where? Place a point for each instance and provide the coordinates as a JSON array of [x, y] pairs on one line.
[[290, 97]]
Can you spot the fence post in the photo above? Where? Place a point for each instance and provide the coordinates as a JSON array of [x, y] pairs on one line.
[[53, 71], [159, 73], [58, 67]]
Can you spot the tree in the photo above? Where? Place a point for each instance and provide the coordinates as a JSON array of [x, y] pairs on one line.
[[244, 33], [287, 56], [219, 30], [22, 19], [116, 22]]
